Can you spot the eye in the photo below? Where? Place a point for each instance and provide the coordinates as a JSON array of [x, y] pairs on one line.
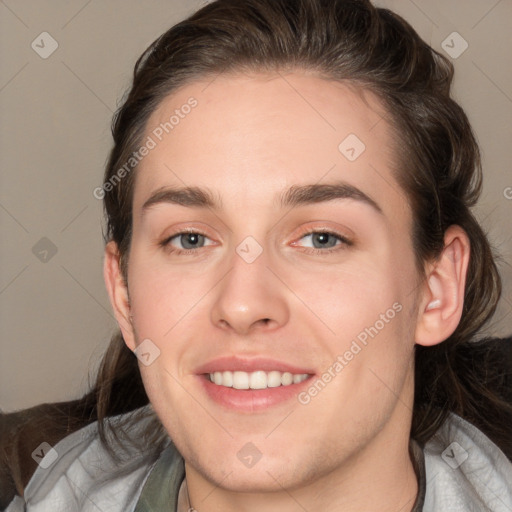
[[189, 240], [325, 241]]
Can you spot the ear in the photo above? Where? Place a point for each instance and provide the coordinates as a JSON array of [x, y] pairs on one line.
[[443, 298], [118, 293]]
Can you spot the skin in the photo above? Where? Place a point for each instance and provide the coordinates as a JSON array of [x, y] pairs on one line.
[[249, 138]]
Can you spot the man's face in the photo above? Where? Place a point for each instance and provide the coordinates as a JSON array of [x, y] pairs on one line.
[[324, 290]]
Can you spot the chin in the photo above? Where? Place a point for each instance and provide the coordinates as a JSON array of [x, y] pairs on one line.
[[265, 476], [261, 479]]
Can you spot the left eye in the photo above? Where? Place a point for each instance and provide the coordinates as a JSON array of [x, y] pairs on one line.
[[324, 239]]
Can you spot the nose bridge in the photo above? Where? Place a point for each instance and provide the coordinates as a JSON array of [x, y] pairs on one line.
[[250, 294]]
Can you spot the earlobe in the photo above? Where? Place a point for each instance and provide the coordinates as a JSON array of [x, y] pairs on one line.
[[443, 298], [118, 293]]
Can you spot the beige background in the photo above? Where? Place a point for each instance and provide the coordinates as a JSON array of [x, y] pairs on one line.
[[55, 136]]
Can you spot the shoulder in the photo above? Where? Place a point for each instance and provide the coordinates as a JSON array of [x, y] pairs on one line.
[[78, 473], [465, 470]]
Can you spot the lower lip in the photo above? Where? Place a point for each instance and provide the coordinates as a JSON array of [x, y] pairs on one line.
[[251, 400]]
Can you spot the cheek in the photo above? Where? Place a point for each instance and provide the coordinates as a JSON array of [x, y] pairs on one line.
[[353, 297], [160, 296], [369, 313]]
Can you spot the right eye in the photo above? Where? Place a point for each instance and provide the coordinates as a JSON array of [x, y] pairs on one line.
[[192, 239]]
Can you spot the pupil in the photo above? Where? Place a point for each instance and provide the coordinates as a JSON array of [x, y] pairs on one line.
[[191, 238], [322, 238]]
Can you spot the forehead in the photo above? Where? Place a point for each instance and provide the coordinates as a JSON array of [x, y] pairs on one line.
[[245, 135]]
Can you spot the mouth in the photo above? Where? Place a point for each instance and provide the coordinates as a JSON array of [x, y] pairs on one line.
[[257, 390], [252, 385]]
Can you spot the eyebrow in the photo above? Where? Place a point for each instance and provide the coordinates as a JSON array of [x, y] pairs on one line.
[[296, 195]]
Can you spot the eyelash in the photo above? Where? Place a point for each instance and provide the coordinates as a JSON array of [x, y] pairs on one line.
[[195, 252]]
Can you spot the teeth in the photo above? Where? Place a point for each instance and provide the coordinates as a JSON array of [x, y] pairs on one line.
[[256, 380], [240, 380], [227, 379], [273, 379]]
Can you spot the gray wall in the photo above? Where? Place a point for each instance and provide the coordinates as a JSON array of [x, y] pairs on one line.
[[55, 136]]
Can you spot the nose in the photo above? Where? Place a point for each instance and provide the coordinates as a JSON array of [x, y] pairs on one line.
[[250, 297]]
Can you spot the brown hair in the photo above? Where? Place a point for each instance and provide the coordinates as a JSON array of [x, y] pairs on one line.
[[345, 40]]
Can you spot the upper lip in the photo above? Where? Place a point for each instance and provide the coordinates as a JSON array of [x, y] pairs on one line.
[[244, 364]]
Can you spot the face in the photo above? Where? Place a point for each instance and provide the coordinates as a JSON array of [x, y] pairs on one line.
[[296, 279]]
